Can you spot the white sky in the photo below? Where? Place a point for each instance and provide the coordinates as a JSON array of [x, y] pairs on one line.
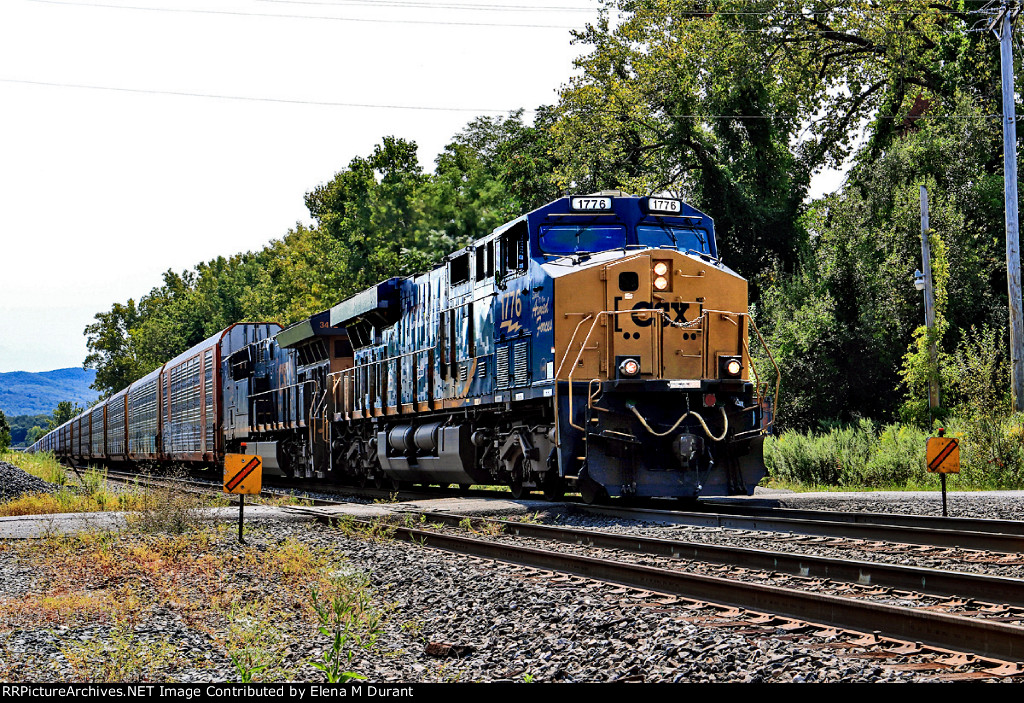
[[103, 190]]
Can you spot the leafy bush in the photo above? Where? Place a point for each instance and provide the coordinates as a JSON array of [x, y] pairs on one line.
[[892, 457]]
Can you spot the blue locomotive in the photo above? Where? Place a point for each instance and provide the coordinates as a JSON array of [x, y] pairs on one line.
[[595, 344]]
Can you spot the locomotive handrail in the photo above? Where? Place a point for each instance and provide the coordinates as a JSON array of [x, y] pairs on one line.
[[571, 340], [351, 371], [583, 347], [282, 388], [778, 372], [705, 315]]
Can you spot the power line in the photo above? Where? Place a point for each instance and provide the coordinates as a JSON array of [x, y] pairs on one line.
[[433, 6], [436, 108], [247, 98], [234, 13]]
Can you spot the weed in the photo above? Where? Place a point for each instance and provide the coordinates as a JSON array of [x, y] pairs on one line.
[[392, 498], [93, 481], [255, 647], [121, 657], [167, 510], [349, 621], [481, 527], [376, 529]]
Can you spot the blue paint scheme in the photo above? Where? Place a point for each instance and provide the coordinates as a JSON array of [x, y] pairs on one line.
[[497, 312]]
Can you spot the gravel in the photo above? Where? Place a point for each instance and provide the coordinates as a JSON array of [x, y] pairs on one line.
[[14, 483], [450, 618]]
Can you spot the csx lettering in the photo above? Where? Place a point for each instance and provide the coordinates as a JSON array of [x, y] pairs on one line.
[[678, 309]]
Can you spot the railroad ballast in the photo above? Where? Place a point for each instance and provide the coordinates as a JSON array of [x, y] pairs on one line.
[[596, 344]]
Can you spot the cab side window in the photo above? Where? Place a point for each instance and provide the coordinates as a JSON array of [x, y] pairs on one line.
[[514, 249]]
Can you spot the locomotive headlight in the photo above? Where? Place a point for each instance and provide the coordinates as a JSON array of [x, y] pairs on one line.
[[660, 268], [629, 367], [730, 366], [661, 283]]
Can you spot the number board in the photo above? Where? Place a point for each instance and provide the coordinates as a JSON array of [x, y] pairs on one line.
[[665, 205], [243, 474], [590, 203], [942, 455]]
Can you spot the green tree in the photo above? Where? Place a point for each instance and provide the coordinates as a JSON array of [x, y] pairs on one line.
[[64, 411], [840, 327], [5, 433], [112, 351], [34, 435], [737, 103]]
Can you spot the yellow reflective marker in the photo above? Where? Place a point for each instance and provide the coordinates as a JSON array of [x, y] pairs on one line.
[[243, 474], [942, 455]]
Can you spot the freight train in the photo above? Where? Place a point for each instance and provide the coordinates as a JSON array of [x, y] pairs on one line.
[[596, 344]]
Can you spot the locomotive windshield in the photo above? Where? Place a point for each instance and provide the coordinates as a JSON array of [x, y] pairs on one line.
[[671, 237], [576, 239]]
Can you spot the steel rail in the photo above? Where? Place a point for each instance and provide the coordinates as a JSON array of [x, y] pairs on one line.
[[985, 541], [995, 589], [931, 522], [983, 637]]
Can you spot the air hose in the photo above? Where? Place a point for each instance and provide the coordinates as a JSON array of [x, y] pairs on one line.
[[725, 423]]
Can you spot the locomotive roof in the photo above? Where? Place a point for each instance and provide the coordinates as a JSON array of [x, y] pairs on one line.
[[380, 303], [319, 325]]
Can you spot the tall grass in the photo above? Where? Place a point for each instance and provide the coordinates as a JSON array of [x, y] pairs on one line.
[[872, 456], [84, 492]]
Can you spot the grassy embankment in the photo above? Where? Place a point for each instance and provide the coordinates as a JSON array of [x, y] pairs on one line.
[[259, 604]]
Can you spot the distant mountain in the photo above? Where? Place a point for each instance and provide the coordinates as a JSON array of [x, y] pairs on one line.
[[24, 393]]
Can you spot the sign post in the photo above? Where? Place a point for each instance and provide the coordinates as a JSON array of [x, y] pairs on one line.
[[942, 455], [243, 474]]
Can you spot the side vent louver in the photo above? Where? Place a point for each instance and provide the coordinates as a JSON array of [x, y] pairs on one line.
[[501, 367], [521, 353]]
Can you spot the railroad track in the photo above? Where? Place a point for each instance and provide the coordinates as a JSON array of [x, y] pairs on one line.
[[885, 625], [897, 609], [929, 522], [904, 529]]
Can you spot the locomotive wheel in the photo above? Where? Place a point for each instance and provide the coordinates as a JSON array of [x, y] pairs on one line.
[[516, 484], [591, 491], [554, 487], [517, 480]]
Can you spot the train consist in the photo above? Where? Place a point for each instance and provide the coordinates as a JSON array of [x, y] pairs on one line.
[[595, 344]]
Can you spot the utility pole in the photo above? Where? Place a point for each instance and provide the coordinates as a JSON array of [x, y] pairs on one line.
[[1003, 27], [929, 300]]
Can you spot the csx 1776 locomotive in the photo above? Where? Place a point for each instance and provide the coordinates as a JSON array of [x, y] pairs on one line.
[[596, 343]]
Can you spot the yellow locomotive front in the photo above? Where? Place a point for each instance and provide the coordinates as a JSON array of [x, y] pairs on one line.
[[656, 391]]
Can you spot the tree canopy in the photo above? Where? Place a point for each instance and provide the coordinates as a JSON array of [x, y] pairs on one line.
[[734, 105]]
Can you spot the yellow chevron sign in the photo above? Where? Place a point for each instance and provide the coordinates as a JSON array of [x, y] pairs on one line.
[[243, 474], [942, 455]]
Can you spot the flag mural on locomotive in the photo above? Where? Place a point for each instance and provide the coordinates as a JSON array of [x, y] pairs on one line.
[[596, 343]]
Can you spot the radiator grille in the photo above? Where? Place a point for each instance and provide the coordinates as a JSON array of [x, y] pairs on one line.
[[501, 367], [521, 354]]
